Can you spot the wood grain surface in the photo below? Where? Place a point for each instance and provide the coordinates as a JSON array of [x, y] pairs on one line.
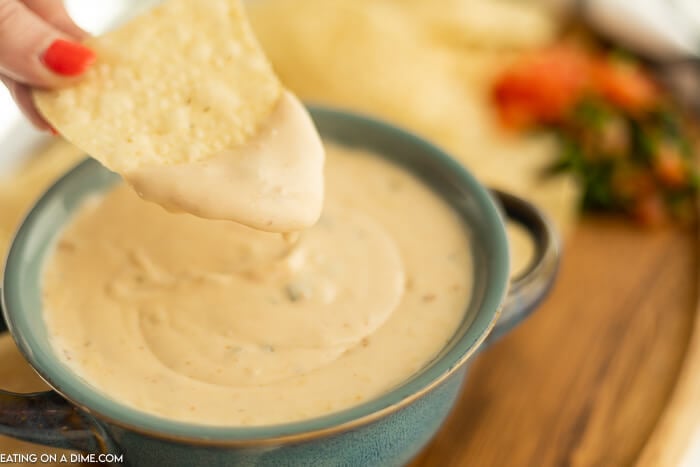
[[675, 440], [584, 381]]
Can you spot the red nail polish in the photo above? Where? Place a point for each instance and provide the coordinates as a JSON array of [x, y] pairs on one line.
[[68, 58]]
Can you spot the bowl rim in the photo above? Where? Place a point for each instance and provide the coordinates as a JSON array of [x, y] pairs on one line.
[[105, 409]]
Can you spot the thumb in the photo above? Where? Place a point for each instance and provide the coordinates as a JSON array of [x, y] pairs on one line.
[[34, 52]]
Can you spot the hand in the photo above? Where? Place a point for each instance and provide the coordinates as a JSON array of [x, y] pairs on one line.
[[39, 47]]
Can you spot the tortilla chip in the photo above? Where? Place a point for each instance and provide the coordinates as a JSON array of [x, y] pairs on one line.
[[178, 84]]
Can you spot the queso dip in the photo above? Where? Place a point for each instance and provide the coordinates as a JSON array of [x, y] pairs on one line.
[[214, 323]]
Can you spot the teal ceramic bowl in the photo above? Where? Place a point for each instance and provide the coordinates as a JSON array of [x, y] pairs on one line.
[[384, 432]]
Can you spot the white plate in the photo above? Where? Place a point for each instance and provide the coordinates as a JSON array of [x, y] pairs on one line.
[[662, 29]]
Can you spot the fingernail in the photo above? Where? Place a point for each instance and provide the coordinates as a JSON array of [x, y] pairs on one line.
[[68, 58]]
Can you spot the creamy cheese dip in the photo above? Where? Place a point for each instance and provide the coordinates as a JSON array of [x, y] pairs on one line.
[[214, 323], [272, 182]]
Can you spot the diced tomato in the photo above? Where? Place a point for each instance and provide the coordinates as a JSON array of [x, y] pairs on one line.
[[650, 211], [670, 167], [625, 85], [517, 116], [542, 87]]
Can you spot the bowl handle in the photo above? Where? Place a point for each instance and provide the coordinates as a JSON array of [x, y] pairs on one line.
[[47, 418], [529, 288]]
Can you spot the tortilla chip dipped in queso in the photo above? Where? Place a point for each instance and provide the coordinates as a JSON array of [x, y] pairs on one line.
[[185, 106]]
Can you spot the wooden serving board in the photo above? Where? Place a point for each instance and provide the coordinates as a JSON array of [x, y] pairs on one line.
[[585, 381]]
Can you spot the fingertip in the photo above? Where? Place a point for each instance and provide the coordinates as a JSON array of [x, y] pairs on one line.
[[71, 29], [38, 46], [68, 58], [81, 34]]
